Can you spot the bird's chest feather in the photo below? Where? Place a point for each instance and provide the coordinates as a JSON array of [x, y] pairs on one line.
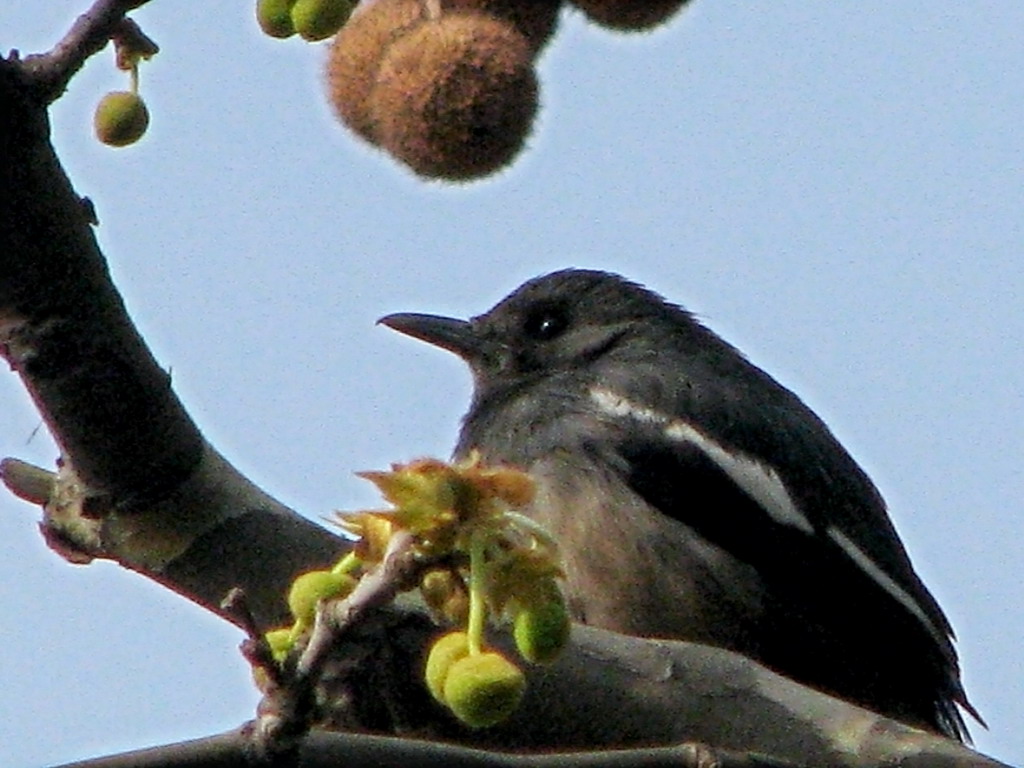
[[631, 569]]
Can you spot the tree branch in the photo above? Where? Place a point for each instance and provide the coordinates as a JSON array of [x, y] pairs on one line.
[[329, 750], [47, 75], [136, 483]]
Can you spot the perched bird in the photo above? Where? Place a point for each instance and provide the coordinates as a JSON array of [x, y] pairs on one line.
[[695, 497]]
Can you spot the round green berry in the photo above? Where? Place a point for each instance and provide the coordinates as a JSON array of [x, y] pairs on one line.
[[275, 17], [310, 588], [541, 629], [446, 650], [319, 19], [484, 689], [121, 118]]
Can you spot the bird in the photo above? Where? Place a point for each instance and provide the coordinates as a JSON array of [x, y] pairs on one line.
[[696, 498]]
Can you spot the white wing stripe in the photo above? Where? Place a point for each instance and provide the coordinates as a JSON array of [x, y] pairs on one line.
[[868, 565], [763, 485], [759, 482]]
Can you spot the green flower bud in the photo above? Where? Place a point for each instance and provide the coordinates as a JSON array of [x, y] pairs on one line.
[[280, 642], [310, 588], [541, 629]]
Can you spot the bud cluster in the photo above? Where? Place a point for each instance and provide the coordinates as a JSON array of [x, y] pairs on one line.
[[486, 561]]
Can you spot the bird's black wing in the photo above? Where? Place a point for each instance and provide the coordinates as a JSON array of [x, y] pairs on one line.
[[837, 618]]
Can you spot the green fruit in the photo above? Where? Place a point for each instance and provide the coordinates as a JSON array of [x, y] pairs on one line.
[[310, 588], [319, 19], [121, 118], [446, 650], [629, 15], [541, 630], [484, 689], [275, 17]]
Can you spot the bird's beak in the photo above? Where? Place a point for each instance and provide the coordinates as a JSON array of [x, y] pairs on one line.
[[446, 332]]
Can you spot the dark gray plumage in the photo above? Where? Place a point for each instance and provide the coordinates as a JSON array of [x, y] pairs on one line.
[[697, 498]]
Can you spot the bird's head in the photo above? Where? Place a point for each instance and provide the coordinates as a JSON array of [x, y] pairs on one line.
[[557, 322]]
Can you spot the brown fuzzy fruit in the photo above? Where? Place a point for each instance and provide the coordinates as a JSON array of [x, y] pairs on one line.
[[536, 19], [629, 15], [356, 53], [456, 96]]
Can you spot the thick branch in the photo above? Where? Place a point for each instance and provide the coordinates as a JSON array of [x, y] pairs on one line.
[[64, 329], [621, 699], [611, 691], [137, 483], [329, 750]]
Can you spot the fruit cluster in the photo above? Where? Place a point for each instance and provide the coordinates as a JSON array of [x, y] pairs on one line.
[[311, 20], [449, 87], [491, 562]]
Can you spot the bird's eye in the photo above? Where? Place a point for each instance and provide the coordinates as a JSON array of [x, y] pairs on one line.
[[546, 324]]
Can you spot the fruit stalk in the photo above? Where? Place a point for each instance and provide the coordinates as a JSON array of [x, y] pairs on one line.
[[477, 605]]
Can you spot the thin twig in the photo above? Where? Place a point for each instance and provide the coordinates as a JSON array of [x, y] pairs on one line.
[[48, 73], [286, 712], [27, 481], [376, 588], [254, 648]]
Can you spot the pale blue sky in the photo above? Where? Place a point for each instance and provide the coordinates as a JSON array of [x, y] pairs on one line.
[[837, 188]]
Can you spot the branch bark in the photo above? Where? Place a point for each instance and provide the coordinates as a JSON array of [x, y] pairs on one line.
[[328, 750]]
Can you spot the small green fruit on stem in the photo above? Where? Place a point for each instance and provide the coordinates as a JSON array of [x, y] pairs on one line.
[[446, 651], [121, 118], [483, 689]]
